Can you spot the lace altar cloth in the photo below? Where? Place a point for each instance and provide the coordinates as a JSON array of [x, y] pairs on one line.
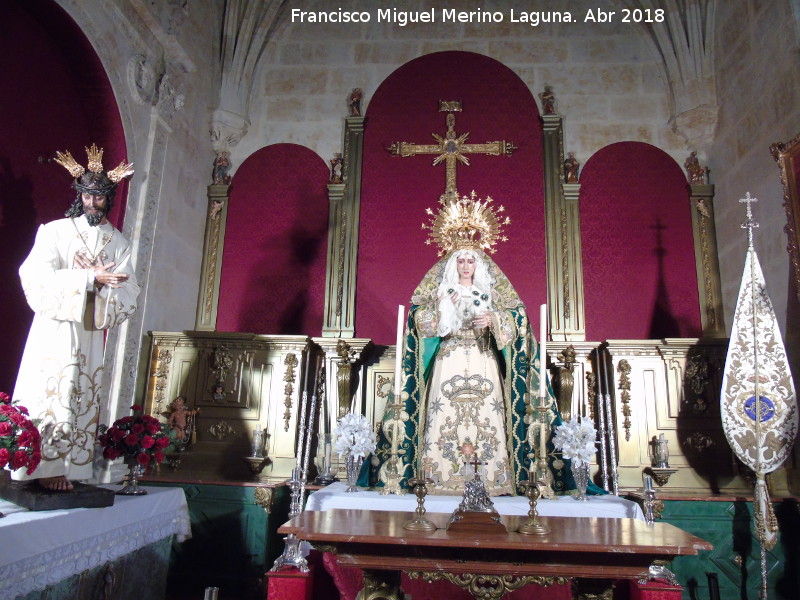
[[608, 506], [42, 548]]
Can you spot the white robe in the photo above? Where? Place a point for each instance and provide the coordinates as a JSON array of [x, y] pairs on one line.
[[61, 373]]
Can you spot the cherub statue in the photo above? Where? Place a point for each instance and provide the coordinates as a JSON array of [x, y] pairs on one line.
[[218, 392], [181, 420]]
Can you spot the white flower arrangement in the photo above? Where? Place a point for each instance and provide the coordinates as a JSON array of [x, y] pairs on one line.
[[577, 440], [354, 436]]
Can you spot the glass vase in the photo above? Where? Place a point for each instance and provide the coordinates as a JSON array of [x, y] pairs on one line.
[[352, 465], [257, 450], [131, 485], [580, 473]]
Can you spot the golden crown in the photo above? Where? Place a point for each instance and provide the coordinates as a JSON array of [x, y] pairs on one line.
[[95, 164], [466, 223]]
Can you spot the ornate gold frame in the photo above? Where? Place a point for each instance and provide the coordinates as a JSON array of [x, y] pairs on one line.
[[788, 158]]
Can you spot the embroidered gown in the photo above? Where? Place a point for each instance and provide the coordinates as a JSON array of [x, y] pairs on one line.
[[438, 396], [465, 406], [61, 373]]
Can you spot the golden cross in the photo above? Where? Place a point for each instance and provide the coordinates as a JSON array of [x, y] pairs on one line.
[[451, 147]]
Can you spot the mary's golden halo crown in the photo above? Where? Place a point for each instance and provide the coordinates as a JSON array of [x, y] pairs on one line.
[[466, 223]]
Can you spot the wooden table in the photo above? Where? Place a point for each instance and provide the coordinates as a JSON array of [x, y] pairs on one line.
[[591, 552]]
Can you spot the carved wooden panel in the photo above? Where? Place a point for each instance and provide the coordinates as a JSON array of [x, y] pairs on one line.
[[238, 384]]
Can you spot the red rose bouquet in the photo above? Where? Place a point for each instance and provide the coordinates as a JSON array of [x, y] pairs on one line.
[[20, 443], [139, 437]]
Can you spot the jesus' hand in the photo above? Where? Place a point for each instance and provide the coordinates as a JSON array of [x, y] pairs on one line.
[[103, 274]]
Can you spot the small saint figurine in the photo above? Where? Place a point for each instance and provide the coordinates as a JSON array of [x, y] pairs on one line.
[[571, 166], [694, 172], [548, 98], [181, 420], [336, 168], [221, 166], [354, 102]]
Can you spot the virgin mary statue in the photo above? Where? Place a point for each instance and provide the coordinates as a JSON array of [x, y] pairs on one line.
[[466, 366]]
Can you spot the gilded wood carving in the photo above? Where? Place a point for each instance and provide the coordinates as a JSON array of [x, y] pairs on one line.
[[788, 158]]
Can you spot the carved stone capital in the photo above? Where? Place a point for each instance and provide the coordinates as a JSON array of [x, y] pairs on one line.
[[697, 125], [227, 129]]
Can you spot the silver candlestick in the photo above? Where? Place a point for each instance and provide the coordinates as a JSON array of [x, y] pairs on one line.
[[649, 500]]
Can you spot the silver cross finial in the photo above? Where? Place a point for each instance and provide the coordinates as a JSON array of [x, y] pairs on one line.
[[749, 223]]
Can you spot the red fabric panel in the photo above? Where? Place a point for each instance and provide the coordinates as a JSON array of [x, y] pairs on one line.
[[290, 584], [654, 589], [497, 105], [638, 252], [273, 266], [56, 96]]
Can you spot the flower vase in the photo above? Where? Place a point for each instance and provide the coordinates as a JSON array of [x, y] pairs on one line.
[[580, 473], [131, 486], [352, 465]]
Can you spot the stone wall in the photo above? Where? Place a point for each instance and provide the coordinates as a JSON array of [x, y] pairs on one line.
[[605, 75], [759, 95]]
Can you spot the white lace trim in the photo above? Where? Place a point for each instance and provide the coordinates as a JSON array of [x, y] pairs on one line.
[[37, 572]]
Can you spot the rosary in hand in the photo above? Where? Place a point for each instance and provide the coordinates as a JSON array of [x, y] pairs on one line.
[[481, 320]]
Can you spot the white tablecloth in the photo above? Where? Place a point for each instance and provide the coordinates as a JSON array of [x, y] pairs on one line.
[[335, 496], [41, 548]]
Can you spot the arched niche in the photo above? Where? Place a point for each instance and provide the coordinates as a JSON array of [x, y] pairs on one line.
[[395, 192], [273, 263], [56, 96], [639, 271]]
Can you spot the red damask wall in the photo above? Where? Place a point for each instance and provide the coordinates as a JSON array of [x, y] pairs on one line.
[[273, 265], [497, 105], [638, 252], [55, 96]]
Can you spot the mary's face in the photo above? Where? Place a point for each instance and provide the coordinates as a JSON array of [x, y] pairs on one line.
[[466, 269]]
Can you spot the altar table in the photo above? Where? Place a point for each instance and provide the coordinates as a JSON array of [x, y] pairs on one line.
[[335, 496], [45, 547], [592, 551]]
